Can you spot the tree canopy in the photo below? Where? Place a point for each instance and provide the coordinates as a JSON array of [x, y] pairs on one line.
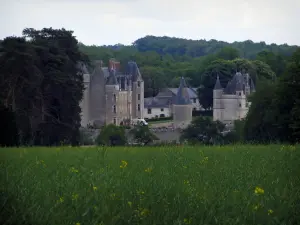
[[42, 86]]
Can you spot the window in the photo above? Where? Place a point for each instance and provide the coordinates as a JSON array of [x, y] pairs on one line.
[[162, 109], [149, 111], [240, 93], [139, 83], [240, 105], [194, 109], [115, 97], [139, 107], [115, 120], [114, 109], [162, 115], [194, 100], [139, 97]]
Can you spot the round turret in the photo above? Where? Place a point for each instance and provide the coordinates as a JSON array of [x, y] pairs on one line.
[[182, 108]]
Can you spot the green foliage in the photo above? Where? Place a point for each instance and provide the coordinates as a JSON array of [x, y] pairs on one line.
[[275, 60], [159, 119], [273, 115], [196, 48], [156, 185], [203, 130], [228, 53], [8, 128], [163, 60], [226, 69], [41, 85], [111, 135], [142, 135]]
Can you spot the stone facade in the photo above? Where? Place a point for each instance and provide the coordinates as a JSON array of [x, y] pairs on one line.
[[111, 96], [231, 103], [182, 107]]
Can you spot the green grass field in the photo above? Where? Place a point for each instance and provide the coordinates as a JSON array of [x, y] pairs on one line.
[[150, 185]]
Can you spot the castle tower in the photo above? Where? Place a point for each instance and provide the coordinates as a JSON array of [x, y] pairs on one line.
[[182, 107], [240, 95], [97, 96], [85, 103], [112, 90], [217, 101], [247, 85], [137, 91]]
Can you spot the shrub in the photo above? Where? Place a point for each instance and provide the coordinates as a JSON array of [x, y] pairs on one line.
[[111, 135]]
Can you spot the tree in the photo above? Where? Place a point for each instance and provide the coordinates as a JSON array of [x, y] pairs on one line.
[[42, 85], [274, 112], [203, 130], [226, 69], [228, 53], [142, 135], [111, 135], [276, 61], [287, 100]]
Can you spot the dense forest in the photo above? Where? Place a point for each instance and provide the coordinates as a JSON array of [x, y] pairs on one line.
[[41, 82], [162, 60]]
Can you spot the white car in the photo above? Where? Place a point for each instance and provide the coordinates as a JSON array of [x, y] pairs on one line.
[[139, 122]]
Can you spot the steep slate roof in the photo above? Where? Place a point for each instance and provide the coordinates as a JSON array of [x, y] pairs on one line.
[[112, 80], [133, 70], [192, 92], [105, 72], [218, 85], [182, 97], [238, 83], [154, 102]]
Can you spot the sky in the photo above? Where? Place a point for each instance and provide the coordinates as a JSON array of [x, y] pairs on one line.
[[108, 22]]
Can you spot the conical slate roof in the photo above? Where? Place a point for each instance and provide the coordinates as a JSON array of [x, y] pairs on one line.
[[112, 80], [218, 85], [98, 69], [182, 97], [133, 70]]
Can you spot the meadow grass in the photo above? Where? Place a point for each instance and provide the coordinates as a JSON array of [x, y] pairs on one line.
[[150, 185]]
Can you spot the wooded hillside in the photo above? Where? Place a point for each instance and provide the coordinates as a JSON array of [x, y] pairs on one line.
[[162, 60]]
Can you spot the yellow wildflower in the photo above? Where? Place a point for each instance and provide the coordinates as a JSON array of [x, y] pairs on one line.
[[256, 207], [95, 188], [129, 203], [77, 223], [74, 196], [270, 211], [259, 191], [123, 164], [73, 170], [61, 200], [144, 212], [187, 221], [186, 182], [140, 192], [148, 170], [204, 160]]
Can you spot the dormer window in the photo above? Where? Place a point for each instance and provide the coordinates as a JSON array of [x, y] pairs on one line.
[[139, 83]]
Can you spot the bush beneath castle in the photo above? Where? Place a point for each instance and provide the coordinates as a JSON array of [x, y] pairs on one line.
[[111, 135]]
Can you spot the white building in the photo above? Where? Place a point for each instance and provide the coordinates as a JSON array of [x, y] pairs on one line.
[[231, 103], [162, 104]]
